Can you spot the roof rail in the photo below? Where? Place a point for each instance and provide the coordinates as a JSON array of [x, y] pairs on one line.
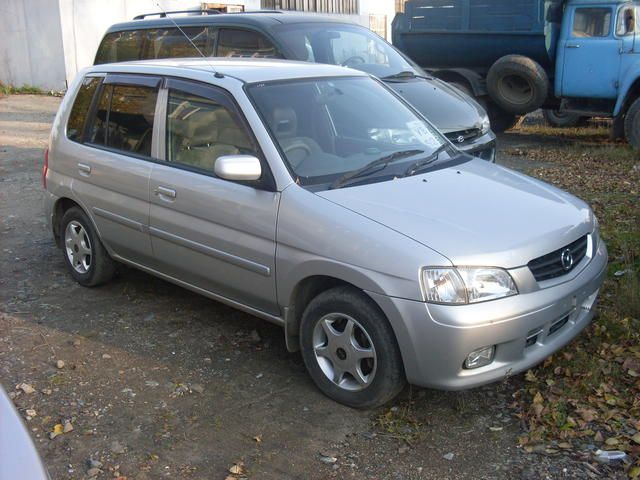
[[209, 11], [256, 11]]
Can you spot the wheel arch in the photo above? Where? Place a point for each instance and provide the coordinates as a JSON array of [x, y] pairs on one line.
[[631, 89], [60, 207], [464, 76], [305, 290]]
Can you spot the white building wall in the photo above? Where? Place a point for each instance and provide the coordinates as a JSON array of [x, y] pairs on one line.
[[31, 44], [379, 7]]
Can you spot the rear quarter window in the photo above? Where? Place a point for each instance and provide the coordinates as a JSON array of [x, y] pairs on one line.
[[120, 47], [124, 119], [80, 109]]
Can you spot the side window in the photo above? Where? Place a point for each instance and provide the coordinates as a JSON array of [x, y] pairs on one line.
[[171, 43], [119, 47], [98, 133], [245, 43], [80, 108], [626, 24], [124, 118], [199, 130], [592, 22]]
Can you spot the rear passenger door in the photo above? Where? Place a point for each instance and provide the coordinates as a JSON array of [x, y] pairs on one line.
[[212, 233], [114, 167]]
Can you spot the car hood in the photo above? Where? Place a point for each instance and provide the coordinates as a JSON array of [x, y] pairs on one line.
[[447, 108], [474, 213]]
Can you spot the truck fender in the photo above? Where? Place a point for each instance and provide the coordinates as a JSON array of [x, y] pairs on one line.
[[629, 89], [465, 76]]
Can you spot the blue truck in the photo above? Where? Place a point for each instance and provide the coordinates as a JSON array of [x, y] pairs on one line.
[[574, 58]]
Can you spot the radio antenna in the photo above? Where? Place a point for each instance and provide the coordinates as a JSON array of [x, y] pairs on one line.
[[215, 72]]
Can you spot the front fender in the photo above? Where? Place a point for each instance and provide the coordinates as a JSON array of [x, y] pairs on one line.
[[629, 78]]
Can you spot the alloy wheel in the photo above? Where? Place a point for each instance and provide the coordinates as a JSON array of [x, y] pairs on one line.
[[78, 247], [344, 351]]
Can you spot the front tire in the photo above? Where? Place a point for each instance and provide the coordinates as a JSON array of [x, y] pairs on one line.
[[632, 124], [85, 256], [350, 350]]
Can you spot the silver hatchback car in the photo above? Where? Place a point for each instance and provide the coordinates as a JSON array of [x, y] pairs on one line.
[[314, 197]]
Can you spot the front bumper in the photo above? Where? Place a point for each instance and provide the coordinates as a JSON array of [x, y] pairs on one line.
[[435, 339]]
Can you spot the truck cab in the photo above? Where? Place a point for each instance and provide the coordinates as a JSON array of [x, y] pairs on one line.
[[597, 55], [579, 58]]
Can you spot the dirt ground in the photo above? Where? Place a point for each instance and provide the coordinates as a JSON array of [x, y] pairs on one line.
[[158, 382]]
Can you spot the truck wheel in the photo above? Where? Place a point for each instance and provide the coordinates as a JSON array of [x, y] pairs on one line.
[[518, 84], [632, 124], [501, 121], [560, 119]]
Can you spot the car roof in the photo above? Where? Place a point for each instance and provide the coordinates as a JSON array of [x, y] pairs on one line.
[[260, 20], [245, 70]]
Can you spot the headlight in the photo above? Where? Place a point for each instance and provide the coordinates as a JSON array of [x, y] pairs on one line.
[[486, 124], [458, 286]]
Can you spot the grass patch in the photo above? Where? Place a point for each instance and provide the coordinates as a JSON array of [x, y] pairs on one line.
[[23, 90]]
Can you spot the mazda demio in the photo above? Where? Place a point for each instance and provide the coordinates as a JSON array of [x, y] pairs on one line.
[[314, 197]]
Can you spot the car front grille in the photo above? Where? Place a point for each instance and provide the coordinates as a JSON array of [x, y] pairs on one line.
[[464, 135], [552, 264]]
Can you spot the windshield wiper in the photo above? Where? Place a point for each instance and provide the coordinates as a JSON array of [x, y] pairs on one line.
[[417, 166], [405, 74], [381, 162]]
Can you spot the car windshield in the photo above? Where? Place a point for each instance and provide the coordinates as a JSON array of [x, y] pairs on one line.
[[330, 128], [343, 44]]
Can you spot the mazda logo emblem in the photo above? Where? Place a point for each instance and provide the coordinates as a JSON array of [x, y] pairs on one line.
[[460, 139], [566, 258]]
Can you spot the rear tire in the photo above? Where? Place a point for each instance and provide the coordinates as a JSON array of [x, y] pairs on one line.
[[560, 119], [343, 331], [85, 256], [518, 84], [632, 124]]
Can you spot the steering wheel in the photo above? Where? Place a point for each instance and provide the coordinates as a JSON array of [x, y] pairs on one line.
[[298, 146], [355, 59]]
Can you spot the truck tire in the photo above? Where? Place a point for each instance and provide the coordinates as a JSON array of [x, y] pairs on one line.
[[559, 119], [501, 121], [518, 84], [632, 124]]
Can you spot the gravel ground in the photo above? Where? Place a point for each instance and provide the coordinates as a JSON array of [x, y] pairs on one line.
[[148, 380]]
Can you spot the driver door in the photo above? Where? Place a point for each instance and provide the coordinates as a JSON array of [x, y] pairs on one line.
[[591, 54], [212, 233]]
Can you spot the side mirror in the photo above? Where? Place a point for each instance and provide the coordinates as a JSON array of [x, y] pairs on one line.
[[238, 167]]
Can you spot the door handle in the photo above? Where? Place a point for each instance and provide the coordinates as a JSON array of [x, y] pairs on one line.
[[573, 45], [165, 192], [84, 169]]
